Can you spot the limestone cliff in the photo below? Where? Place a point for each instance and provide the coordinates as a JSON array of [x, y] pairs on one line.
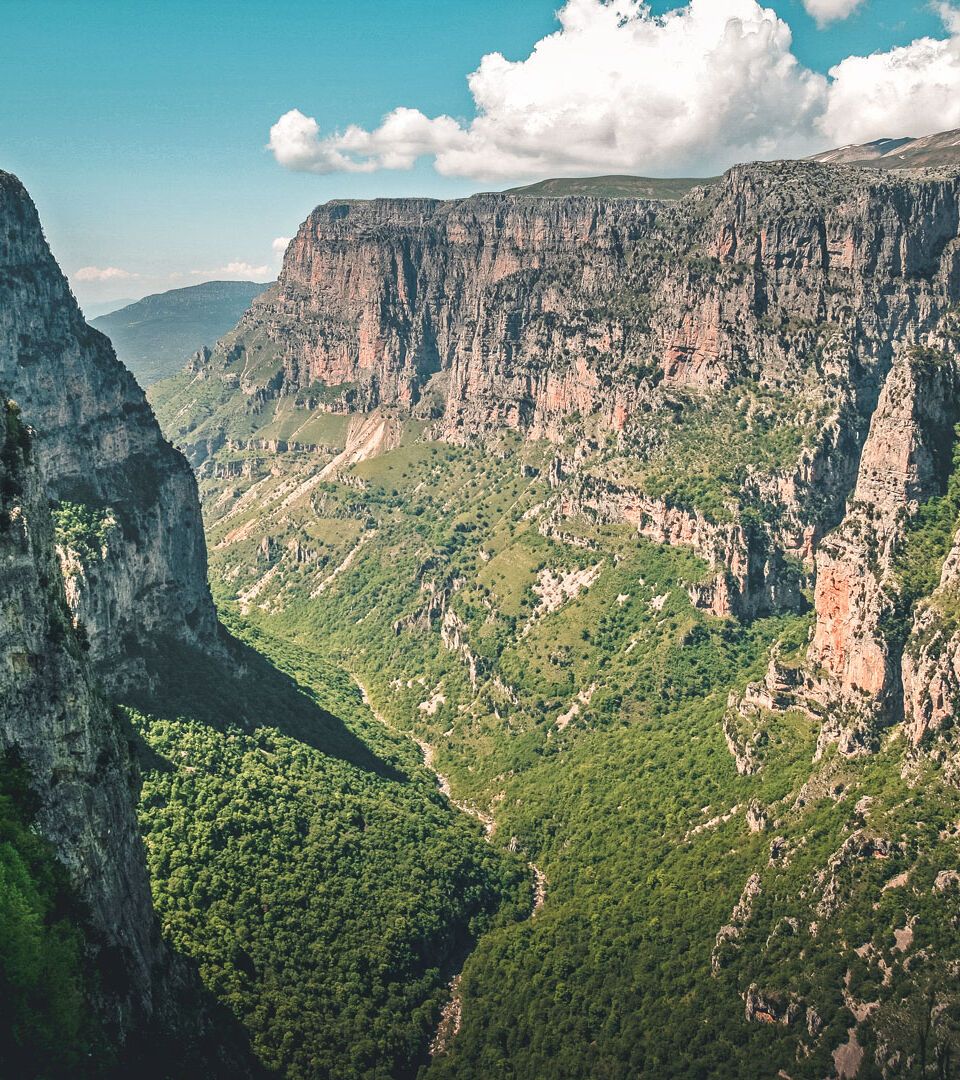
[[797, 281], [91, 491], [98, 446], [521, 312], [856, 645], [54, 724], [706, 371]]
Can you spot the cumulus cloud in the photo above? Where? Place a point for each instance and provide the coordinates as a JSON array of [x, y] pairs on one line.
[[403, 136], [280, 246], [885, 95], [103, 273], [827, 11], [234, 271], [619, 89], [615, 88]]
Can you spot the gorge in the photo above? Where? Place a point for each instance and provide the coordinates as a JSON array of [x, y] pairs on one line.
[[632, 520]]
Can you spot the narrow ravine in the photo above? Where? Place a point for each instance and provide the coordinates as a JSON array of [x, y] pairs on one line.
[[452, 1012]]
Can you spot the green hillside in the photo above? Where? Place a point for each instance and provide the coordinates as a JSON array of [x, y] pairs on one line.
[[156, 336]]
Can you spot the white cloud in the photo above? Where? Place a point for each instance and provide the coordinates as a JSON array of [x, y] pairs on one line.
[[105, 273], [403, 136], [235, 271], [950, 14], [827, 11], [614, 89], [888, 95], [280, 246], [618, 89]]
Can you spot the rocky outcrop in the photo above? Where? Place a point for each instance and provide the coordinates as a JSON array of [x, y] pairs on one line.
[[749, 574], [729, 936], [125, 530], [772, 1007], [856, 648], [931, 658], [98, 446]]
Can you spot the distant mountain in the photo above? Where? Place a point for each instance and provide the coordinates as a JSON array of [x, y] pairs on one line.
[[106, 307], [155, 336], [931, 151], [613, 187]]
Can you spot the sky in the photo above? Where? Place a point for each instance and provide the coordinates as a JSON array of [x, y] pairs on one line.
[[168, 142]]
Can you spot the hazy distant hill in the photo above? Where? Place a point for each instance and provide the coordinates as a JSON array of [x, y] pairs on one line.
[[931, 151], [613, 187], [106, 307], [155, 336]]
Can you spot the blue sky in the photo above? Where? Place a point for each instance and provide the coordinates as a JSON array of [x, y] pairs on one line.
[[140, 127]]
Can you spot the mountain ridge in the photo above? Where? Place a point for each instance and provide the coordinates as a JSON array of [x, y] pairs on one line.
[[155, 335], [640, 514]]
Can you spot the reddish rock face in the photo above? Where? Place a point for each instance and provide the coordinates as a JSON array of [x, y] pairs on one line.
[[534, 310], [856, 586]]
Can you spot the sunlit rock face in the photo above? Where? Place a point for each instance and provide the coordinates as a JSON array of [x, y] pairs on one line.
[[97, 444], [101, 549], [518, 312]]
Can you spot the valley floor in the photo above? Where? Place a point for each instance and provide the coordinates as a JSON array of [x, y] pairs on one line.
[[566, 693]]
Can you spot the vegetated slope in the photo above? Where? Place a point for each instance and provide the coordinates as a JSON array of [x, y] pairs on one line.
[[929, 152], [299, 853], [155, 336], [302, 854], [634, 512], [613, 187]]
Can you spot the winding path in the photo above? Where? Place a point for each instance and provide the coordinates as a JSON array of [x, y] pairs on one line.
[[452, 1012]]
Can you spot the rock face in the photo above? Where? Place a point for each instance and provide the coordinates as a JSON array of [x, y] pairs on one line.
[[71, 747], [905, 461], [82, 434], [799, 310], [931, 658], [520, 312], [98, 445]]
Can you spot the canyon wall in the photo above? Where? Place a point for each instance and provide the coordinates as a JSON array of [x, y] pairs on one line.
[[97, 509], [795, 311], [97, 445], [519, 312]]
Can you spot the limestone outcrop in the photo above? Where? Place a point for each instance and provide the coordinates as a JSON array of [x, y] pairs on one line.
[[97, 445], [98, 509]]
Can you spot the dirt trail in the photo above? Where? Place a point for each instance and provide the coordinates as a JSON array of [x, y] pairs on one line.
[[452, 1012]]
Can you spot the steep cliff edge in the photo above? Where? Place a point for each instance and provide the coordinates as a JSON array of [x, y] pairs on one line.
[[859, 604], [706, 369], [98, 446], [522, 312], [101, 547], [73, 754]]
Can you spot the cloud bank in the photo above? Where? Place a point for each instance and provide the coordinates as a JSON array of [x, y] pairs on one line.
[[105, 273], [618, 89]]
